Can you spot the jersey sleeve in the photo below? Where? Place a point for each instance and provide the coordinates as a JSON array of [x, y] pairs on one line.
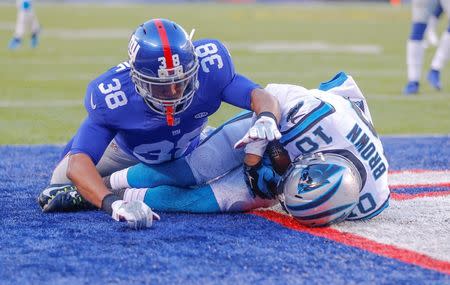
[[94, 134], [239, 92], [344, 85]]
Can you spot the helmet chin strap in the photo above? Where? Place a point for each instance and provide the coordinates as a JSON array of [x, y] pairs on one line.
[[169, 116]]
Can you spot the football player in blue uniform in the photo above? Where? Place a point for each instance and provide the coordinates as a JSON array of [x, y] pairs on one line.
[[151, 109]]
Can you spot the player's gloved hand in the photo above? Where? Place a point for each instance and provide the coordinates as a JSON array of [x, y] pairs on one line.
[[136, 213], [262, 180], [264, 128], [257, 147]]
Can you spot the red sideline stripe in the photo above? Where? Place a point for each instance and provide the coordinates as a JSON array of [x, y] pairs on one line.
[[424, 185], [349, 239], [165, 42], [407, 196]]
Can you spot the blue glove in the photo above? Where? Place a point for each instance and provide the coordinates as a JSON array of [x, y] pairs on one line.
[[262, 180]]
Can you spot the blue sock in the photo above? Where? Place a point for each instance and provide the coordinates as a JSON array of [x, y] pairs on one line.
[[417, 31], [177, 199], [177, 173]]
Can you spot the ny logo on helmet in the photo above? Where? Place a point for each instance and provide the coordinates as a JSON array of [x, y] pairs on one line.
[[133, 48]]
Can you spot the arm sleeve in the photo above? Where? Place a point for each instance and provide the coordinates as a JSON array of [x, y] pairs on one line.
[[239, 91], [92, 139]]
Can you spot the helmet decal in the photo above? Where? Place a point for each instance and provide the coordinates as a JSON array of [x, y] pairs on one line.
[[321, 188], [168, 62], [133, 48]]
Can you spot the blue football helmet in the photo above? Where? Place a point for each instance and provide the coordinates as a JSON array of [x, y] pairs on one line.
[[164, 66], [320, 189]]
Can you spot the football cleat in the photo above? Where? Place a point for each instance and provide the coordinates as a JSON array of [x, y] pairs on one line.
[[411, 88], [14, 43], [62, 198], [434, 78]]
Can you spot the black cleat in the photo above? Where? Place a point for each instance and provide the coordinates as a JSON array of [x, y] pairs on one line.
[[62, 198]]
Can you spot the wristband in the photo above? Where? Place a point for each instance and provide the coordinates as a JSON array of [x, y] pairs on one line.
[[267, 114], [107, 202]]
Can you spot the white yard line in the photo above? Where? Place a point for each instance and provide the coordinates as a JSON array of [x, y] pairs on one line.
[[256, 47], [40, 103], [420, 177], [295, 46]]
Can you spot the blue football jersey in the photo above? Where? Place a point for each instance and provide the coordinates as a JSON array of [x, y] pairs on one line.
[[116, 110]]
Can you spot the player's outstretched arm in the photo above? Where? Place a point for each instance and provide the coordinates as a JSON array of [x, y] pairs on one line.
[[267, 109], [81, 170]]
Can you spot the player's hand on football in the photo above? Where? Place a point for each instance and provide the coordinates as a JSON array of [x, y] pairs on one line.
[[262, 180], [136, 213], [264, 128]]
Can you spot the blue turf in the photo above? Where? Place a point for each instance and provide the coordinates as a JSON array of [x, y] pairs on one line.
[[418, 152], [88, 247]]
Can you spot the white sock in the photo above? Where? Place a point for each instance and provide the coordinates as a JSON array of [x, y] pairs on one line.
[[414, 59], [442, 53], [119, 180], [134, 194]]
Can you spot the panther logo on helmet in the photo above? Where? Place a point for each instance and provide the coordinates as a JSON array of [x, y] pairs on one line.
[[321, 188]]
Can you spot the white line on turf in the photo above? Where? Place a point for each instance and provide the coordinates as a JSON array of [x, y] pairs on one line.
[[257, 47], [40, 103]]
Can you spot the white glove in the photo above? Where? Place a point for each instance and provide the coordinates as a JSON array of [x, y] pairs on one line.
[[265, 128], [136, 213], [257, 147]]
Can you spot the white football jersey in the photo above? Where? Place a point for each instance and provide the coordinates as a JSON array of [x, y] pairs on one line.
[[333, 121]]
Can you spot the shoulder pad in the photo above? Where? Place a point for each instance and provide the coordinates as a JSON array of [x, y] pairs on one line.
[[214, 58]]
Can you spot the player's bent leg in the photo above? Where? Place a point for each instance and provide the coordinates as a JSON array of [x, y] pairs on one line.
[[216, 155], [180, 199], [167, 198], [227, 194], [174, 173], [62, 196]]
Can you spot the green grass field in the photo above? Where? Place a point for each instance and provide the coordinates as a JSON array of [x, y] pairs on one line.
[[42, 89]]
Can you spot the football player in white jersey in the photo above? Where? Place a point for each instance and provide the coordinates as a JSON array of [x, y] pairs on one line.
[[339, 170], [26, 19], [422, 11]]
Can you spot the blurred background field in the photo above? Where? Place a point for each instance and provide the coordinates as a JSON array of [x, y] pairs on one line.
[[41, 90]]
